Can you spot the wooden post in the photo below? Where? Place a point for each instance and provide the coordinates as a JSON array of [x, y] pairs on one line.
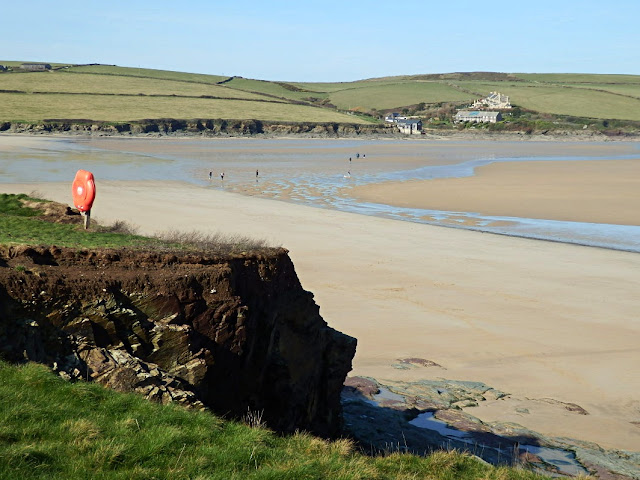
[[87, 218]]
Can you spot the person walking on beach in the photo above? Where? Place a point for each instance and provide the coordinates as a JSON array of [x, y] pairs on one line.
[[222, 176], [210, 174]]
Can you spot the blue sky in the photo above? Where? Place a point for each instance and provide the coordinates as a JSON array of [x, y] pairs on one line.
[[328, 40]]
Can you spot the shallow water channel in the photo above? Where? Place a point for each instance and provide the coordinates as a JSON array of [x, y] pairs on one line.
[[318, 173]]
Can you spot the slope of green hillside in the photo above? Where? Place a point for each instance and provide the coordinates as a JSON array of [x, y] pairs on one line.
[[563, 100], [58, 82], [119, 94], [115, 94], [52, 429], [578, 78], [118, 108], [394, 95], [147, 73]]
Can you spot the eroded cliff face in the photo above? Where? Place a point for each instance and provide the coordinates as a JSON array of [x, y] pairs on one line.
[[202, 127], [235, 334]]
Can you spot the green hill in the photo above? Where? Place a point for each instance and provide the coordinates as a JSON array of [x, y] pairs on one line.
[[118, 94]]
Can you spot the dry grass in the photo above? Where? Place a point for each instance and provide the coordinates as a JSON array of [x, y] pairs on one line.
[[217, 243], [119, 226]]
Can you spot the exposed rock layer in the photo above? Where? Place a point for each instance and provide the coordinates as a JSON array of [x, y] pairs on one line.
[[206, 127], [233, 334]]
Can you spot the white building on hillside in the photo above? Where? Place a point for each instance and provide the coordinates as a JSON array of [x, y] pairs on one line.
[[394, 117], [477, 116], [494, 100]]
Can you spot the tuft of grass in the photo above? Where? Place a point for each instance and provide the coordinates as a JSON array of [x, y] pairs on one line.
[[121, 227]]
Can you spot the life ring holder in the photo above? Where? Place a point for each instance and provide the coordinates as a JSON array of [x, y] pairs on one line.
[[83, 191]]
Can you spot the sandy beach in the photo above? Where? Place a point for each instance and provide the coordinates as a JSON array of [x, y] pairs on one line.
[[545, 322], [599, 191]]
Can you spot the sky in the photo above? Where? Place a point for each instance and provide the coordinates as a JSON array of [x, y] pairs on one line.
[[330, 40]]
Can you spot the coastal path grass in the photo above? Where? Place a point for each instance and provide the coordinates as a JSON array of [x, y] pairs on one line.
[[54, 429], [20, 225]]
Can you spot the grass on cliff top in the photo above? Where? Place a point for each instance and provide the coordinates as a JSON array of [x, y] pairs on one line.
[[19, 225], [24, 225], [53, 429]]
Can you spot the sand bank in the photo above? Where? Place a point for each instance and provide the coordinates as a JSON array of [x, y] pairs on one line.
[[594, 191], [536, 319]]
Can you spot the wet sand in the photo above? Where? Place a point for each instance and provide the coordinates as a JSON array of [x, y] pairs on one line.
[[539, 320], [596, 191]]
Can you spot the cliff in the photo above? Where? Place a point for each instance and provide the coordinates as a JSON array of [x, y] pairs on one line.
[[202, 127], [236, 334]]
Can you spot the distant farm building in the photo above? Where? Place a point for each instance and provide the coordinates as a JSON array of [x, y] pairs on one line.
[[394, 117], [410, 126], [477, 116], [494, 100], [35, 67]]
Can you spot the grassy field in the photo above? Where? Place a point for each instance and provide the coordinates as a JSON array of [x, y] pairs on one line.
[[391, 95], [578, 78], [581, 95], [118, 108], [270, 88], [557, 99], [148, 73], [60, 82], [18, 226], [120, 94], [630, 89]]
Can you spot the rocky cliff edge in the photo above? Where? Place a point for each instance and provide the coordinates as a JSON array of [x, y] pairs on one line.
[[236, 334]]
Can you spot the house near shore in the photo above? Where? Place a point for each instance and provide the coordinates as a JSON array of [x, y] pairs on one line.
[[410, 126], [35, 67], [394, 117], [477, 116]]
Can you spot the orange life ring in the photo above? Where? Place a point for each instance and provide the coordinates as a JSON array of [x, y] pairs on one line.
[[83, 190]]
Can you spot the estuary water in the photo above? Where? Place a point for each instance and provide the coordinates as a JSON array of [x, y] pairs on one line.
[[318, 173]]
